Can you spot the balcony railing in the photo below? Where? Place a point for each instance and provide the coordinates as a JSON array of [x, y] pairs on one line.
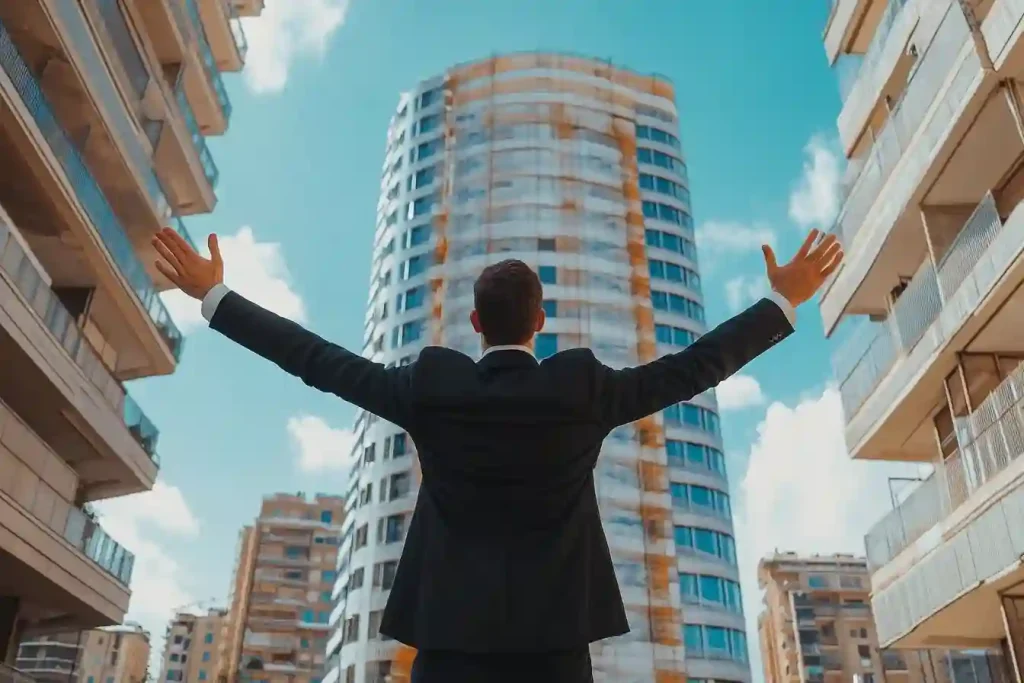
[[238, 31], [87, 190], [206, 53], [867, 357], [198, 140], [684, 505], [61, 324], [869, 60], [989, 440], [86, 534], [899, 131]]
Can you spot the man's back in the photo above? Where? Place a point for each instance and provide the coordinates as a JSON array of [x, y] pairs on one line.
[[506, 523]]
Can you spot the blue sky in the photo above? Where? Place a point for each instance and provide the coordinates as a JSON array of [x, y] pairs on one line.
[[300, 169]]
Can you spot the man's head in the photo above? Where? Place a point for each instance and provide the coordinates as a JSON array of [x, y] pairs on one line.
[[508, 304]]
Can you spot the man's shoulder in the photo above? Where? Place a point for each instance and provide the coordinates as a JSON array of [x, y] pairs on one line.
[[571, 358]]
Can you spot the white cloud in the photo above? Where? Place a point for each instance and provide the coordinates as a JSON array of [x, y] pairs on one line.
[[802, 491], [135, 522], [254, 269], [739, 392], [321, 447], [743, 290], [814, 201], [719, 238], [286, 31]]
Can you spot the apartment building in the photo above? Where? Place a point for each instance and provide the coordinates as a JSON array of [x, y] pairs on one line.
[[192, 646], [281, 596], [105, 106], [931, 308], [817, 626], [119, 654], [573, 165]]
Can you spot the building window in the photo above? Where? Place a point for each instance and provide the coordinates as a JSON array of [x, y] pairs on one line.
[[689, 415], [384, 574], [545, 345], [817, 581], [202, 676], [208, 638], [399, 445], [547, 274], [677, 303], [550, 308], [330, 575], [400, 485], [707, 541], [546, 244], [670, 242], [206, 656]]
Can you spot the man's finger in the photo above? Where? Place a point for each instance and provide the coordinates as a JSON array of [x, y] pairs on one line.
[[832, 265], [806, 246], [823, 247], [177, 244], [825, 254], [169, 257], [170, 274], [214, 246], [769, 258]]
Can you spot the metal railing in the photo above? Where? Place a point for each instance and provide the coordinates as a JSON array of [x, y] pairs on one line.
[[869, 60], [873, 349], [61, 324], [87, 190], [892, 141], [86, 534], [206, 54], [238, 31], [198, 139], [989, 440]]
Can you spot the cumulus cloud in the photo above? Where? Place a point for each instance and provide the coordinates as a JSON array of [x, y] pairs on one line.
[[814, 201], [288, 30], [725, 238], [743, 290], [254, 269], [139, 522], [802, 492], [321, 447], [739, 392]]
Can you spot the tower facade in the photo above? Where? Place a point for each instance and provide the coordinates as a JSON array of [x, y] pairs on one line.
[[574, 166]]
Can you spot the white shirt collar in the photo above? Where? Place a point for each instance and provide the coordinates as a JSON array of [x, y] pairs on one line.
[[508, 347]]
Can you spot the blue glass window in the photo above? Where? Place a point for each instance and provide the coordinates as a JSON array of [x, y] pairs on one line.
[[658, 135], [707, 541], [663, 334], [330, 575], [202, 674], [547, 274], [693, 416], [412, 298], [677, 303], [693, 639], [326, 516], [429, 97], [669, 214], [545, 345], [307, 616], [208, 638], [420, 207], [417, 265], [418, 235], [711, 589], [423, 177], [550, 308], [399, 444], [428, 123], [206, 656], [688, 587], [411, 331], [425, 150]]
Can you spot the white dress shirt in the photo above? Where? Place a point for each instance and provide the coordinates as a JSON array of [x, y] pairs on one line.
[[217, 293]]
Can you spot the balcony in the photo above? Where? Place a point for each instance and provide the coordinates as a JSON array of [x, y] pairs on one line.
[[43, 301], [86, 191], [9, 675], [85, 533], [189, 175], [225, 32], [215, 110], [914, 143], [851, 26]]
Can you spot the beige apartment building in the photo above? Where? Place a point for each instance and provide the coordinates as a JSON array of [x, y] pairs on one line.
[[192, 646], [929, 308], [118, 654], [105, 106], [281, 594], [817, 626]]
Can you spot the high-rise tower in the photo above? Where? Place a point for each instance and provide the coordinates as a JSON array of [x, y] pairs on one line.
[[574, 166]]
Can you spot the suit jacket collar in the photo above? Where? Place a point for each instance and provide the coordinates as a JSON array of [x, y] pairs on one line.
[[508, 356]]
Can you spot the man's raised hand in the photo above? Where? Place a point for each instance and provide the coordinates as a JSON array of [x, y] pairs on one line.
[[187, 270], [799, 279]]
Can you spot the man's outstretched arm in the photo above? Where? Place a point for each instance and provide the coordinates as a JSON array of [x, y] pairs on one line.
[[299, 352], [632, 393]]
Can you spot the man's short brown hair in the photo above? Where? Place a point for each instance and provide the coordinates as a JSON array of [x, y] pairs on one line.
[[507, 297]]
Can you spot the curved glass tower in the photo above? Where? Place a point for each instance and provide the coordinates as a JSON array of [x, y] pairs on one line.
[[572, 165]]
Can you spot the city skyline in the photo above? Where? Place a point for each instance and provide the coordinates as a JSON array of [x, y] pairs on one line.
[[747, 190]]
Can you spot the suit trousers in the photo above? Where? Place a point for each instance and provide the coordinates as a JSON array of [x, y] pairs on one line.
[[442, 666]]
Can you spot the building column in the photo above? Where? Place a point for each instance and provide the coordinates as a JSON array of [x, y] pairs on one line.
[[1013, 622], [9, 628]]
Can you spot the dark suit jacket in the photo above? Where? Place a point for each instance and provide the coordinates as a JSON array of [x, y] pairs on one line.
[[505, 551]]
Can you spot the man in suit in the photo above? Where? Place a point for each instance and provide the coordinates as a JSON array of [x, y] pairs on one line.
[[506, 572]]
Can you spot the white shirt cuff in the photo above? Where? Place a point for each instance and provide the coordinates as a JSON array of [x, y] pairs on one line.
[[212, 300], [781, 302]]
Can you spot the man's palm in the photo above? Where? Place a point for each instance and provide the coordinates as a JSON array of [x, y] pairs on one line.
[[799, 279], [186, 269]]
